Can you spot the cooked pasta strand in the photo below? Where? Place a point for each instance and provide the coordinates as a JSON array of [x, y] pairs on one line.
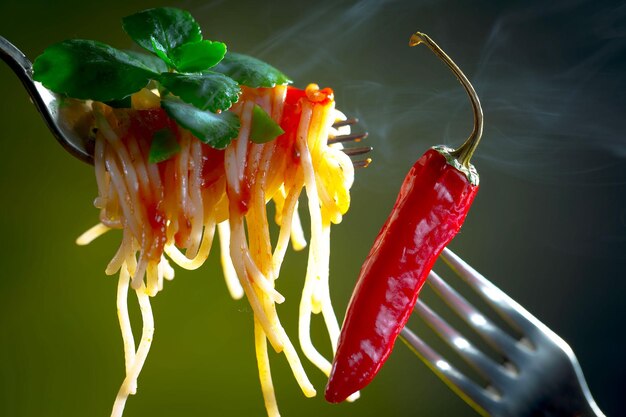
[[313, 265], [124, 319], [92, 234], [147, 333], [173, 208], [230, 275], [288, 211], [265, 374], [203, 253]]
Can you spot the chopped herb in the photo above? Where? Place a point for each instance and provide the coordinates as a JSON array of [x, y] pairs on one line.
[[250, 71], [216, 130], [264, 128], [86, 69], [164, 145], [208, 91]]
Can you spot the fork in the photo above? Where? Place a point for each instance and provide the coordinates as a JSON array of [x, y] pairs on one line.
[[48, 104], [77, 142], [540, 375]]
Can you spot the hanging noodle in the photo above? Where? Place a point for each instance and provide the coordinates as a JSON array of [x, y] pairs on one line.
[[174, 207]]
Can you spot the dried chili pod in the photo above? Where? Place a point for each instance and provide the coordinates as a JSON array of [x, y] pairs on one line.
[[431, 207]]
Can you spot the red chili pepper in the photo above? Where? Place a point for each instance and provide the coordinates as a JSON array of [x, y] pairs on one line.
[[432, 204]]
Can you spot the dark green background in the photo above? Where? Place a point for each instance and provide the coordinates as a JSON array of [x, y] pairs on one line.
[[548, 226]]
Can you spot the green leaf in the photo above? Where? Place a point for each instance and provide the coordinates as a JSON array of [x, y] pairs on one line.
[[208, 91], [86, 69], [216, 130], [198, 56], [264, 128], [164, 145], [165, 27], [160, 51], [150, 61], [124, 103], [250, 71]]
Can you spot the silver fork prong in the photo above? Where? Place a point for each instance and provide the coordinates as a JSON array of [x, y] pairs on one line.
[[479, 398], [538, 378], [362, 163], [488, 331], [356, 137], [347, 122], [497, 375], [357, 151], [512, 312]]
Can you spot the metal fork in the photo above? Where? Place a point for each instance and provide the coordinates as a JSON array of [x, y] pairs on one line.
[[540, 376], [73, 137], [48, 104]]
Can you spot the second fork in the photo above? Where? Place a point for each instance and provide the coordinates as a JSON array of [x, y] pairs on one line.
[[540, 375]]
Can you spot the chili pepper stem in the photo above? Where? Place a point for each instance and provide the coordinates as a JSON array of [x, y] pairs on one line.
[[464, 153]]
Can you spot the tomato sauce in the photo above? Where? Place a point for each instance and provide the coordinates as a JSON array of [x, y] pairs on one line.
[[144, 123], [142, 126]]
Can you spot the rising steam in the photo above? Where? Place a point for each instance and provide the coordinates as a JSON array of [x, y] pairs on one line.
[[550, 76]]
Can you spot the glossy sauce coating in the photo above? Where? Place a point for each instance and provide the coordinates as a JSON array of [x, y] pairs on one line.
[[141, 124], [429, 211]]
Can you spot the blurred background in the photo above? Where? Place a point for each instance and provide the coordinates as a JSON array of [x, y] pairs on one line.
[[548, 226]]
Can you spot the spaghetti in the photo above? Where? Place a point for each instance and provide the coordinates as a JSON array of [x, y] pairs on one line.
[[169, 212]]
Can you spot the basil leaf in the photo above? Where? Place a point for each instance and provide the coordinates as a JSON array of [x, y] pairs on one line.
[[150, 61], [160, 51], [86, 69], [216, 130], [264, 128], [208, 91], [198, 56], [250, 71], [164, 145], [166, 27]]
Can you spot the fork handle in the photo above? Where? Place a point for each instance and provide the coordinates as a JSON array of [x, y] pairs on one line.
[[23, 68], [16, 59]]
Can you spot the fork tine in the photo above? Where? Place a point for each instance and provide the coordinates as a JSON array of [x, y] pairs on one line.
[[362, 163], [346, 122], [513, 313], [464, 387], [483, 364], [498, 339], [356, 137], [357, 151]]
